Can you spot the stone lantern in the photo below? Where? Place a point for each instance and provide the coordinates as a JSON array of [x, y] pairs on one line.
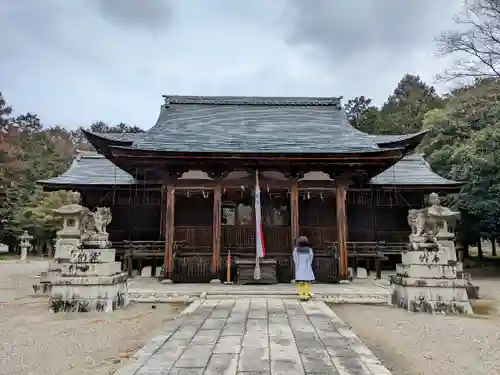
[[69, 237], [26, 239]]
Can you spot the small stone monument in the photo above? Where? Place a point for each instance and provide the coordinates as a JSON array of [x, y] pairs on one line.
[[87, 277], [25, 245], [430, 279]]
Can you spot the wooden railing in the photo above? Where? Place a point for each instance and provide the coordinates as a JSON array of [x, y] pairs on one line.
[[319, 236], [195, 238]]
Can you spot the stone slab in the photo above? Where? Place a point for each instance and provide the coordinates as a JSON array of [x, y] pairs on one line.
[[94, 280], [430, 299], [431, 293], [298, 338], [427, 271], [91, 269], [93, 255], [86, 291], [108, 304], [428, 257], [434, 283]]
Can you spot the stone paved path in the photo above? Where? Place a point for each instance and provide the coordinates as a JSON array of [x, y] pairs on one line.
[[256, 337]]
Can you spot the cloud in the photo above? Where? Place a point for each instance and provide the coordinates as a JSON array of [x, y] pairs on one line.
[[345, 29], [75, 62], [150, 15]]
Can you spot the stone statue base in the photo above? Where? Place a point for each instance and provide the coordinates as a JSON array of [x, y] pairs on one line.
[[91, 281], [430, 280], [89, 294]]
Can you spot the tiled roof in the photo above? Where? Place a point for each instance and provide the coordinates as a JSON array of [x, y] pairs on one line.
[[411, 170], [91, 168], [254, 124], [94, 169], [123, 137]]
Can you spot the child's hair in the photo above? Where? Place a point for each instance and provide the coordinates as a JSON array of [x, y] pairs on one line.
[[303, 241]]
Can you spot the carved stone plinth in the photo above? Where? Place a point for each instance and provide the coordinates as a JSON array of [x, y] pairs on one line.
[[84, 276], [90, 282], [430, 279]]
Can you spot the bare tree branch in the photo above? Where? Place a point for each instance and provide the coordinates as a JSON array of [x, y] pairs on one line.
[[476, 43]]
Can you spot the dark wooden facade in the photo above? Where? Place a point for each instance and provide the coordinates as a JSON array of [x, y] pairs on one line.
[[141, 214]]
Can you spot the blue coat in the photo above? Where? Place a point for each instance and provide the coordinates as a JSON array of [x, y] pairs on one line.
[[303, 264]]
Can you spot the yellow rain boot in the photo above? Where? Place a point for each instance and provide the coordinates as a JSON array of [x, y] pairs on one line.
[[300, 286], [307, 290]]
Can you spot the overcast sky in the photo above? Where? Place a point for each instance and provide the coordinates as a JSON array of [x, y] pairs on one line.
[[79, 61]]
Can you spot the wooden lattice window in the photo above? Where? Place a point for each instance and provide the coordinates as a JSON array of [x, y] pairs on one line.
[[228, 213], [245, 214]]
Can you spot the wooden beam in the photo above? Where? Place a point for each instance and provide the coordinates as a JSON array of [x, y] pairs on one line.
[[217, 226], [169, 233], [342, 229], [294, 212]]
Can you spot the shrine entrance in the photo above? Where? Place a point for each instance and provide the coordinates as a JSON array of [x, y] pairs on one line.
[[318, 222], [238, 228]]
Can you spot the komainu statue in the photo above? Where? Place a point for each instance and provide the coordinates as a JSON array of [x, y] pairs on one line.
[[97, 221], [421, 224], [426, 223], [102, 218]]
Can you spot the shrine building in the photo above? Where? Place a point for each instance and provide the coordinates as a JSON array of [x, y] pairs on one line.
[[181, 193]]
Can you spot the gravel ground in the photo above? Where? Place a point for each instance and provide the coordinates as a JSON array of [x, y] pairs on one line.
[[421, 344], [35, 342]]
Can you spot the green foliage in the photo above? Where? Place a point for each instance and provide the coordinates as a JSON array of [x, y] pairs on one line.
[[30, 152], [5, 111], [362, 114], [464, 144], [101, 127], [404, 110]]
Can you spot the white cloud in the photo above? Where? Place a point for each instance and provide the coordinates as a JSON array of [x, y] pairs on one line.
[[78, 61]]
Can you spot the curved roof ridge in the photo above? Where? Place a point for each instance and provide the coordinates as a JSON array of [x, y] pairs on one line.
[[253, 100]]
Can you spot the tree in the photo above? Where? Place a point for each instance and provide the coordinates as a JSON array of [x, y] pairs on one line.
[[362, 114], [5, 111], [404, 110], [101, 127], [463, 144], [476, 43]]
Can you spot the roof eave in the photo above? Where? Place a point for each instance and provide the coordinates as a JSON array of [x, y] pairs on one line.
[[102, 143], [452, 186], [125, 151], [409, 143]]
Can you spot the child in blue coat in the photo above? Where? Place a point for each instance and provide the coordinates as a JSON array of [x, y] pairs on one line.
[[303, 257]]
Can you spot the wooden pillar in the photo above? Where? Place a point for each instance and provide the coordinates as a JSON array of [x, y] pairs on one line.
[[294, 212], [217, 229], [340, 194], [169, 233]]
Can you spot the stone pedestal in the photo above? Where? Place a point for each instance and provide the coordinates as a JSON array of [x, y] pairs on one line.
[[430, 279], [84, 276], [90, 281]]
